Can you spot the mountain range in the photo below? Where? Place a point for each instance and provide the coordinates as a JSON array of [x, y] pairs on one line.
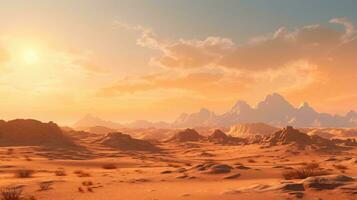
[[273, 110]]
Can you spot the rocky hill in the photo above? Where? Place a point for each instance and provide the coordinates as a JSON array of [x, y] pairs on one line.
[[31, 132], [187, 135]]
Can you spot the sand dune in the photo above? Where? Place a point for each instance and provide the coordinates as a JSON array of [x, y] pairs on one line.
[[187, 166]]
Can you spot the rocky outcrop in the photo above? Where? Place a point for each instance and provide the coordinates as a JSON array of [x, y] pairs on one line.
[[30, 132], [187, 135], [327, 182], [220, 137], [289, 135], [252, 130]]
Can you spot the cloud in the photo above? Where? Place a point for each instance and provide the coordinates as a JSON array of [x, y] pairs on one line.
[[350, 33], [311, 43], [194, 53], [312, 62]]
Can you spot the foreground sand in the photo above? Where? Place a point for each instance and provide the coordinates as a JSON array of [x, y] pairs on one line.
[[170, 174]]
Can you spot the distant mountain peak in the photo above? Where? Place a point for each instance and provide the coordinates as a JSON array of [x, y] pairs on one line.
[[306, 106], [240, 106], [89, 121], [274, 98], [204, 110], [274, 110], [89, 116]]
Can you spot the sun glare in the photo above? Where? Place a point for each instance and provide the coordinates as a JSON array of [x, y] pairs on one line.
[[30, 56]]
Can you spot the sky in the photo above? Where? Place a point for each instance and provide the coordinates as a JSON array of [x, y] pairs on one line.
[[124, 60]]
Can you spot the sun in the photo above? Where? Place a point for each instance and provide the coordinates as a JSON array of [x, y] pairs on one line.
[[30, 56]]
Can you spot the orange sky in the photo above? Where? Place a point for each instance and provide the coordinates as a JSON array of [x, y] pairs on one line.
[[44, 76]]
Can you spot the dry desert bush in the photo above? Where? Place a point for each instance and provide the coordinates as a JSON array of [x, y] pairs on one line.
[[24, 173], [308, 170], [80, 189], [45, 185], [60, 172], [87, 183], [11, 193], [81, 173], [109, 166]]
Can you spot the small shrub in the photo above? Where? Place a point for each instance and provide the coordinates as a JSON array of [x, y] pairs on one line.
[[24, 173], [81, 173], [45, 185], [87, 183], [80, 189], [60, 173], [304, 172], [11, 193], [109, 166]]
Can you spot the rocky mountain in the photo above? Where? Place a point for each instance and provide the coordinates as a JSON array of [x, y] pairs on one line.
[[204, 117], [273, 110], [91, 121]]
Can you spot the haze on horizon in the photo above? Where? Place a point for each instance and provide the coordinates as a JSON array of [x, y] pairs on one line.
[[125, 60]]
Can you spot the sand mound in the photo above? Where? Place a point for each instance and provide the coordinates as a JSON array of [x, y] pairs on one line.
[[290, 135], [218, 136], [126, 142], [250, 130], [28, 132], [187, 135]]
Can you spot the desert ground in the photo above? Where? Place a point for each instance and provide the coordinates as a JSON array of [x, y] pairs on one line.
[[186, 166]]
